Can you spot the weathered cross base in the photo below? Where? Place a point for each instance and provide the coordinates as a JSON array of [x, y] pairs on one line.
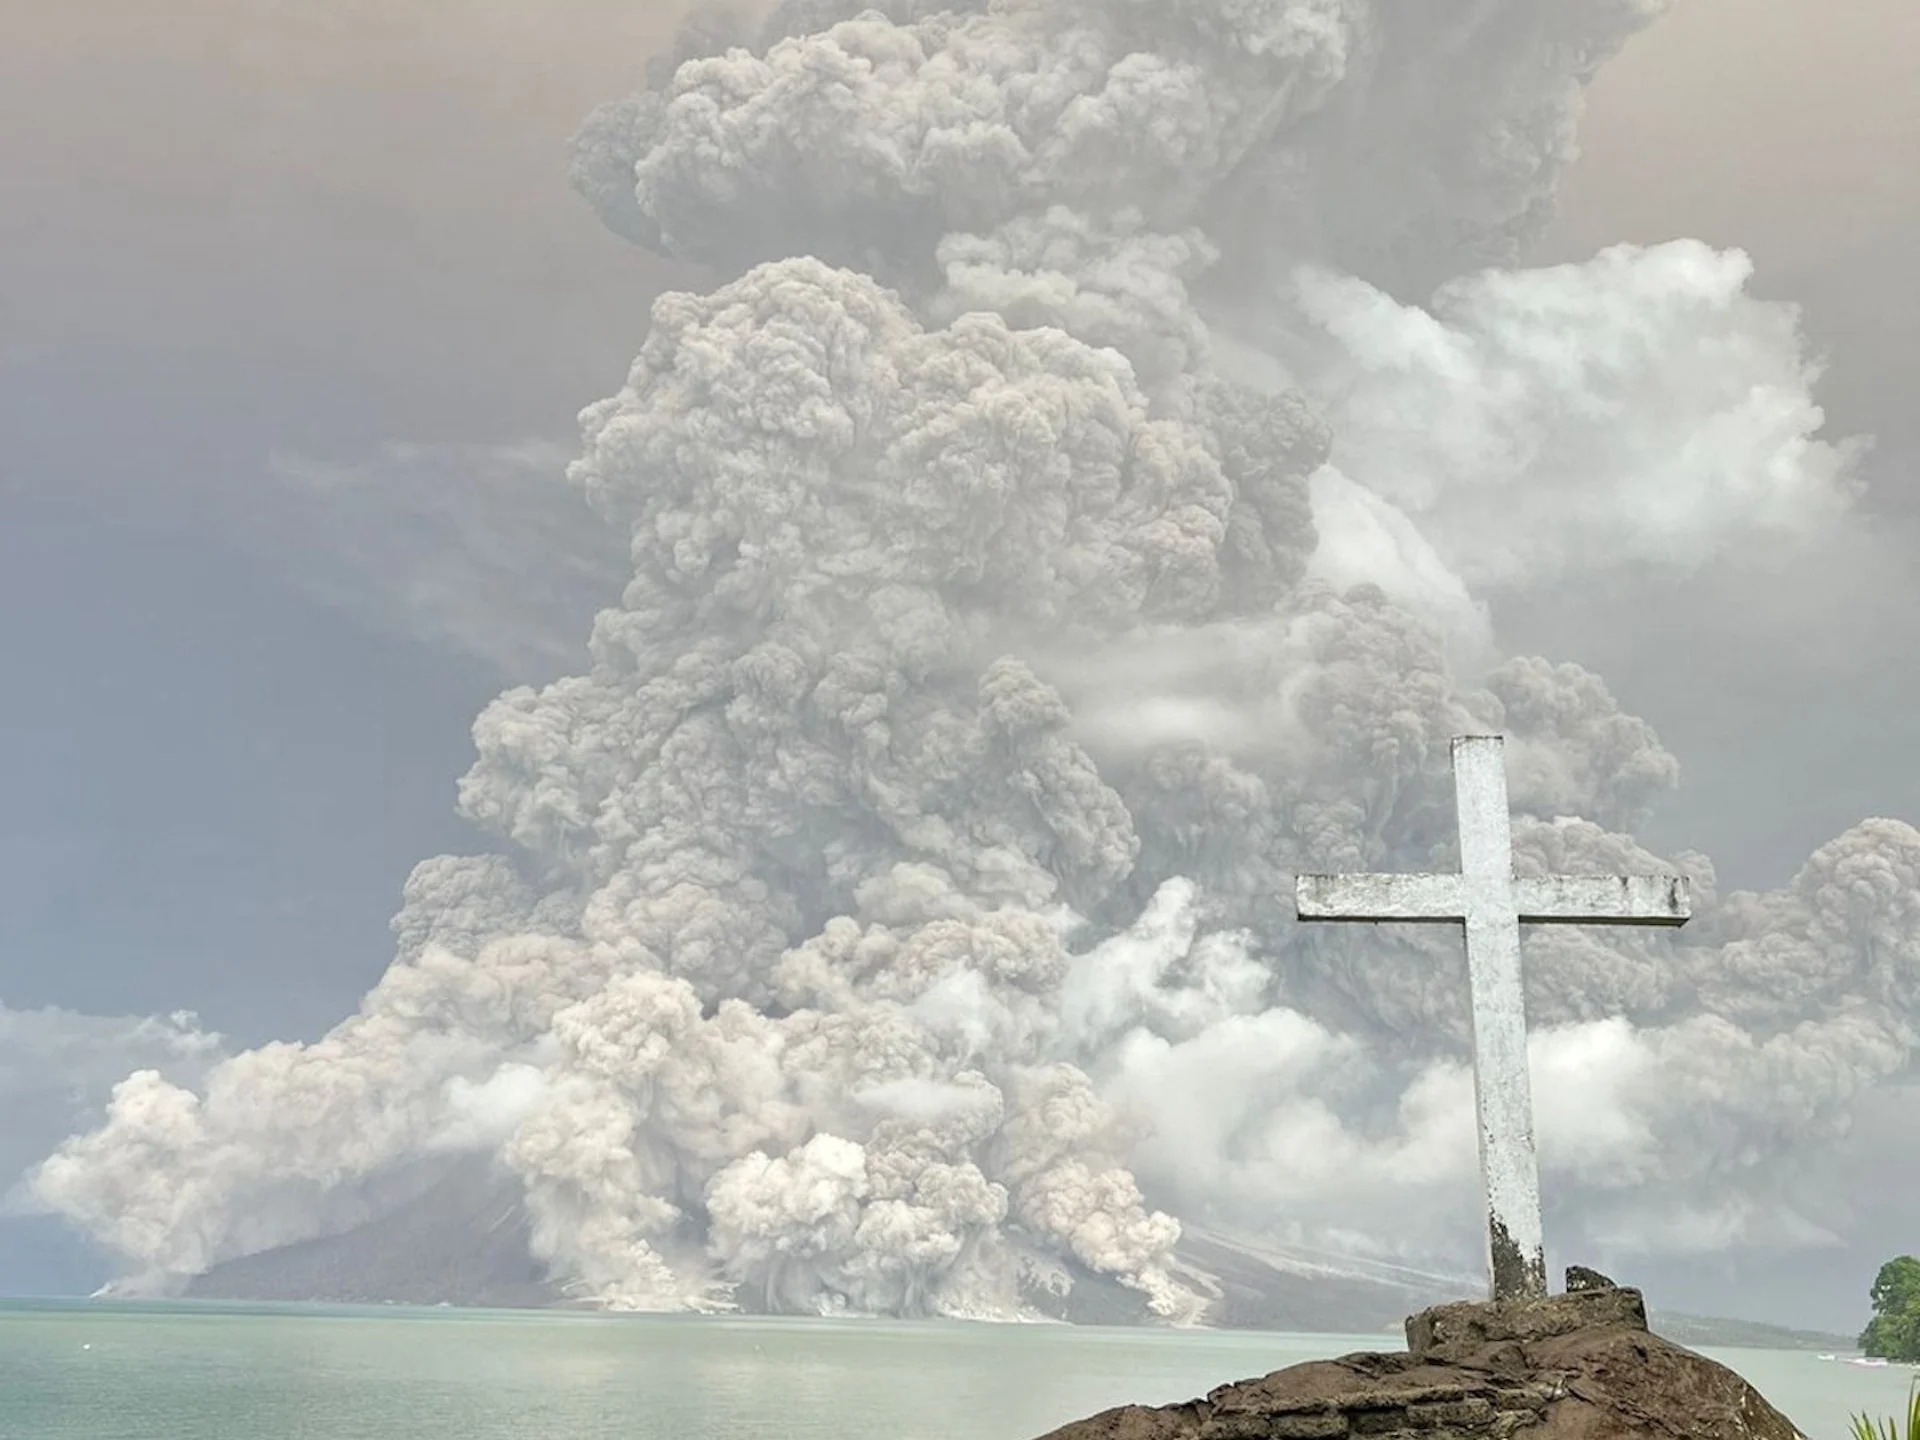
[[1581, 1364]]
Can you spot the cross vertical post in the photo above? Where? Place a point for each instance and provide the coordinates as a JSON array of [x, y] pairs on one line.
[[1502, 1084], [1489, 903]]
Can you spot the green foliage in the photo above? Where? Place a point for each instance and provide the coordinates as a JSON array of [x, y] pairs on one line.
[[1864, 1428], [1894, 1333]]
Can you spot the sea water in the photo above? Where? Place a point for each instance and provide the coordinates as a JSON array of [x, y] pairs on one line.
[[86, 1371]]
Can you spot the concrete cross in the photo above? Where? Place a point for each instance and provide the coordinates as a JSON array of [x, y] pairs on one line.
[[1491, 904]]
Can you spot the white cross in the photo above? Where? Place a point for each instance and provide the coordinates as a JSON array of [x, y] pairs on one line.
[[1491, 903]]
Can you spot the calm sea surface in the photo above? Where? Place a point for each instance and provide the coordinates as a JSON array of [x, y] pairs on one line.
[[234, 1372]]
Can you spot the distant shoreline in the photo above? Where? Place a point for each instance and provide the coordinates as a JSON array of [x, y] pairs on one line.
[[1715, 1333], [1693, 1331]]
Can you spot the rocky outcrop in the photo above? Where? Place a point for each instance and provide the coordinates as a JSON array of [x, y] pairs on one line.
[[1580, 1366]]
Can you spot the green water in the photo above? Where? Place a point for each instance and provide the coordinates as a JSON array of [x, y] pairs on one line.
[[201, 1372]]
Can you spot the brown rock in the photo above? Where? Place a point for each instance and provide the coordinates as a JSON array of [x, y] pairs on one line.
[[1473, 1326], [1572, 1367]]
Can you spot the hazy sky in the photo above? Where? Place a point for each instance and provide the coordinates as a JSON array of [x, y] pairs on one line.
[[1789, 129], [242, 230]]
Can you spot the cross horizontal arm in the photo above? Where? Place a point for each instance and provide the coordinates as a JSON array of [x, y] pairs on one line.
[[1380, 897], [1603, 899]]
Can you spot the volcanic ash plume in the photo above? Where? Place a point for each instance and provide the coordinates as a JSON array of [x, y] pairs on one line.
[[1071, 512]]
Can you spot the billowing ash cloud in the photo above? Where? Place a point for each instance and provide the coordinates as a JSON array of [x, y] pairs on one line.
[[1067, 516], [58, 1069], [1669, 414]]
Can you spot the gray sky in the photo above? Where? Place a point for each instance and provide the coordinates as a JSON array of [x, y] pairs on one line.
[[244, 230], [1789, 129]]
